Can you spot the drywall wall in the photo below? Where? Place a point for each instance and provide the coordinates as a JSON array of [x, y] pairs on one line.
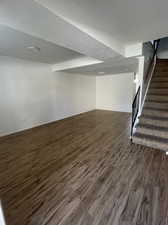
[[32, 95], [133, 50], [163, 49], [115, 92]]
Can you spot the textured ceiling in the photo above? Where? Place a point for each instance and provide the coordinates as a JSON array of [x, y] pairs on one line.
[[70, 29], [128, 21], [36, 20], [14, 43]]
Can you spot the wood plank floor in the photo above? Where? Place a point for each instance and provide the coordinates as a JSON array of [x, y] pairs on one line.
[[82, 171]]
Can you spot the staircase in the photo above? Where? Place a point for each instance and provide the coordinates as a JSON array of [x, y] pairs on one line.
[[152, 129]]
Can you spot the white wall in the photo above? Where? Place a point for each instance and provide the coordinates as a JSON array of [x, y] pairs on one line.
[[32, 95], [133, 50], [115, 92]]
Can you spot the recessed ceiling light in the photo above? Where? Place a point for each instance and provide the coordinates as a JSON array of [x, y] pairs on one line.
[[101, 72], [33, 48]]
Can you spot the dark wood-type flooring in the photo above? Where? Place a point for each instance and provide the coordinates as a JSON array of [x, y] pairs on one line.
[[82, 171]]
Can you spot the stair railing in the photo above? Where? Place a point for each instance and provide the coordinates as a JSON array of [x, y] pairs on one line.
[[136, 100], [150, 70], [155, 47], [135, 109]]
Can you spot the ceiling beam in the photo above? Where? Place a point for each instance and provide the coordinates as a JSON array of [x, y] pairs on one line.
[[75, 63]]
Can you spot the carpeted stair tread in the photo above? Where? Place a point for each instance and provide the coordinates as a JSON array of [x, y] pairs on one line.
[[152, 127], [152, 94], [162, 65], [161, 89], [151, 141], [161, 69], [155, 112], [155, 117], [153, 130], [155, 109], [157, 101], [159, 86], [158, 93], [152, 138], [155, 97], [156, 105], [161, 76], [154, 120], [160, 79]]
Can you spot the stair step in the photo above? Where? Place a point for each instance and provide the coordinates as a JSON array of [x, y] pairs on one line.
[[160, 74], [155, 112], [161, 87], [159, 79], [162, 90], [154, 97], [153, 130], [159, 84], [158, 91], [157, 101], [154, 120], [160, 60], [156, 109], [151, 141], [156, 105], [163, 64], [161, 69]]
